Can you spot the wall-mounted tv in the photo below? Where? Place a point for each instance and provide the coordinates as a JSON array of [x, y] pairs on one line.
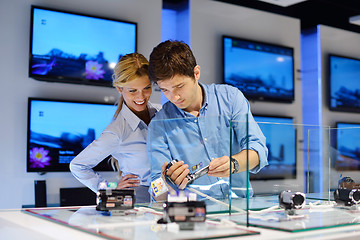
[[280, 136], [348, 146], [344, 87], [262, 71], [77, 48], [59, 130]]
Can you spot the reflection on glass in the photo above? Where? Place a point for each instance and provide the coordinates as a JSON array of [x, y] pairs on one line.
[[281, 142], [344, 83], [348, 146]]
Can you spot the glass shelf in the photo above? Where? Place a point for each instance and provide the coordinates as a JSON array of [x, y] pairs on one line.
[[139, 223]]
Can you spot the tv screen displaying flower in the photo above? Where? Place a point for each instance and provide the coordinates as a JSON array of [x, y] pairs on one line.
[[59, 130], [77, 48]]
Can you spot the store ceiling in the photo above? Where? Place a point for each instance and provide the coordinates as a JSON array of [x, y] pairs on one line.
[[334, 13]]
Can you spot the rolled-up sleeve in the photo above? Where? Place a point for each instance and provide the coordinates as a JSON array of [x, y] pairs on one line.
[[256, 139]]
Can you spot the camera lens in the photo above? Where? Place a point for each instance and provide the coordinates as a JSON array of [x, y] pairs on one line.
[[356, 196], [298, 199]]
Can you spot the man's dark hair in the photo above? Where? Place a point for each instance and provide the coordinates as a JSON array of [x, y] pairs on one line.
[[171, 58]]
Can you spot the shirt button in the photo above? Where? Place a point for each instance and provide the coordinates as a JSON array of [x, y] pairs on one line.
[[195, 120], [205, 139]]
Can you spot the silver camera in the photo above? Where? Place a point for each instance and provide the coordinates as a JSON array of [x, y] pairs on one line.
[[291, 200], [191, 176]]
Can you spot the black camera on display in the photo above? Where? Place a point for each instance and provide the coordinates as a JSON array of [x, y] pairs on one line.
[[115, 199], [291, 200], [191, 176], [348, 192], [191, 211], [185, 214], [347, 197]]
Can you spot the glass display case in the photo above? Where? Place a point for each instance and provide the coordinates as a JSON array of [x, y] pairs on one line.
[[194, 142], [138, 223], [303, 200], [288, 177]]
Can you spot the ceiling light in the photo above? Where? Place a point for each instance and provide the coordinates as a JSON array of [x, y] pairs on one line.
[[355, 20], [283, 3]]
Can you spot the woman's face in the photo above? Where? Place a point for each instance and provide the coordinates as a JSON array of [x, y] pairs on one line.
[[136, 93]]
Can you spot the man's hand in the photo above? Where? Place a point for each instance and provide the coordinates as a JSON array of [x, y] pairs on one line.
[[128, 181], [220, 167], [177, 173]]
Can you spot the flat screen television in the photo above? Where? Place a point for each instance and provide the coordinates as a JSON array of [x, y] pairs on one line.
[[344, 87], [280, 136], [77, 48], [348, 146], [59, 130], [262, 71]]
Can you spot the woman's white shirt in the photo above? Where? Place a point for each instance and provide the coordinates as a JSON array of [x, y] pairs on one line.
[[125, 140]]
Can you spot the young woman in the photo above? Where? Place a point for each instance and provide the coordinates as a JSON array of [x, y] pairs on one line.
[[125, 137]]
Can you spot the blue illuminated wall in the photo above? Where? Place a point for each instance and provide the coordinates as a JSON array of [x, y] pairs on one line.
[[316, 46], [175, 25], [312, 106], [176, 22]]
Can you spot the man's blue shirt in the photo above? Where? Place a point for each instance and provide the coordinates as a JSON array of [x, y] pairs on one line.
[[176, 134]]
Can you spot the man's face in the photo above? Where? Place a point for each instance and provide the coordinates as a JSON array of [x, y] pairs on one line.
[[183, 91]]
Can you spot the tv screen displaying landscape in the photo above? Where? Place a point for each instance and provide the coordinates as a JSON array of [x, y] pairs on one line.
[[344, 84], [348, 146], [261, 71]]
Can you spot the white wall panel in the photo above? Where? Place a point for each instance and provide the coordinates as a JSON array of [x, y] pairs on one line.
[[16, 86]]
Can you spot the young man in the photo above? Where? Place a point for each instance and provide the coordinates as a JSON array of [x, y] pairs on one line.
[[194, 126]]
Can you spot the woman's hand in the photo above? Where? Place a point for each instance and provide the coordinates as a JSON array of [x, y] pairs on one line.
[[128, 181]]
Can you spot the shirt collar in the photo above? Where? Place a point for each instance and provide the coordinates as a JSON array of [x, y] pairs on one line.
[[206, 99], [133, 120], [203, 107], [152, 110]]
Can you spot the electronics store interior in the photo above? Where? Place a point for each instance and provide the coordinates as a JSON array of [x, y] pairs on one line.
[[263, 144]]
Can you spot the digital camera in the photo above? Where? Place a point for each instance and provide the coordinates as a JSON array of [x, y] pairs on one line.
[[115, 199], [191, 176]]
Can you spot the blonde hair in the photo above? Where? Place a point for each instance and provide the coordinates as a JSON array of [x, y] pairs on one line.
[[130, 67]]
